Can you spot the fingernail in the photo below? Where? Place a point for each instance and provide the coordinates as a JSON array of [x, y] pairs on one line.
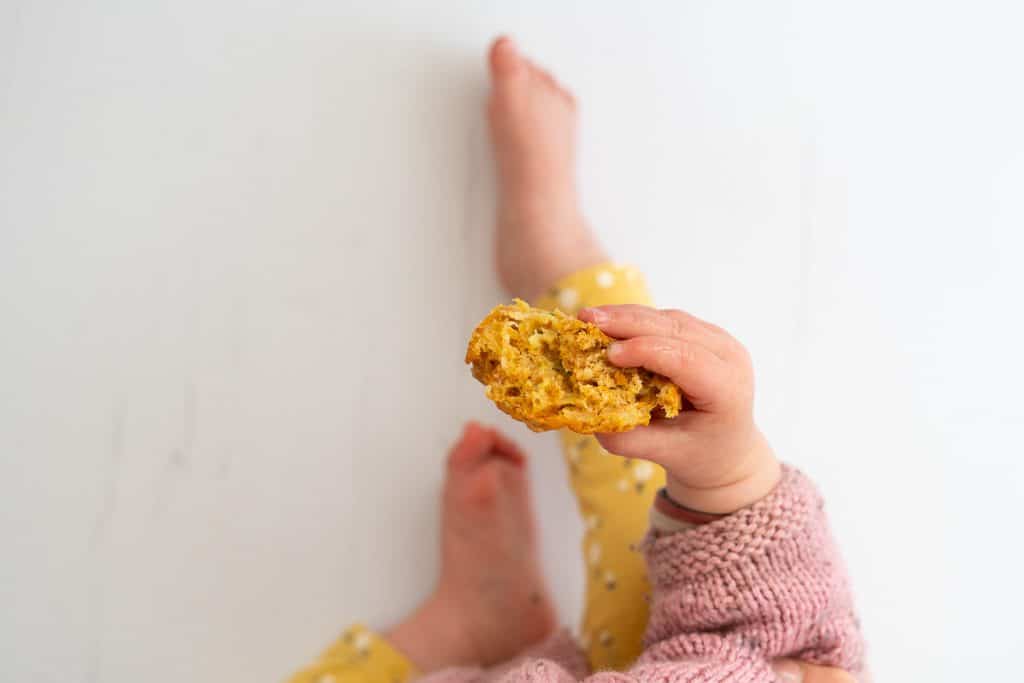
[[595, 315], [788, 671], [614, 349]]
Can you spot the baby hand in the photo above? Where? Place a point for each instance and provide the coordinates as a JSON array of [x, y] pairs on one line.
[[715, 458]]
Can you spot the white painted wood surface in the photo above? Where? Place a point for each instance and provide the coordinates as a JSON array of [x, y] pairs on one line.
[[242, 244]]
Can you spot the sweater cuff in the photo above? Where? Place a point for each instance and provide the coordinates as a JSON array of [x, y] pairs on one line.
[[766, 581], [676, 552]]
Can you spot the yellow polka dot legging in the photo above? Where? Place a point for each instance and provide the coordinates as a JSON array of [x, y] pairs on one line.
[[614, 496]]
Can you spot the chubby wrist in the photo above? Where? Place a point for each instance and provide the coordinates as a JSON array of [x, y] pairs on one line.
[[756, 476]]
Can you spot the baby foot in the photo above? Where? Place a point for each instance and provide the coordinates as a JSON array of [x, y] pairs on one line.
[[542, 235], [491, 601], [490, 568]]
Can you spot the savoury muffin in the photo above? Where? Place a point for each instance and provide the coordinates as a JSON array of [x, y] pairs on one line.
[[550, 371]]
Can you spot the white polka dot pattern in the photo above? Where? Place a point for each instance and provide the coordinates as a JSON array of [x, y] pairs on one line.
[[614, 495], [362, 642], [567, 300], [643, 471]]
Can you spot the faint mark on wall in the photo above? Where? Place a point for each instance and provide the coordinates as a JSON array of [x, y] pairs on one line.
[[179, 460]]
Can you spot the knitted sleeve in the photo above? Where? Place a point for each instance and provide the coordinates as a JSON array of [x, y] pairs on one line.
[[764, 582], [730, 596]]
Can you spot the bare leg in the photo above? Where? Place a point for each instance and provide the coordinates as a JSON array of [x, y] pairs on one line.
[[542, 235], [491, 600]]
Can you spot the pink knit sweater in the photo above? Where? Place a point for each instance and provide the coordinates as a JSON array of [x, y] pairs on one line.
[[728, 597]]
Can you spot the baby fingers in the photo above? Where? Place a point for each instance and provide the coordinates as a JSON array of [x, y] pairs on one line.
[[658, 442], [696, 370], [631, 320]]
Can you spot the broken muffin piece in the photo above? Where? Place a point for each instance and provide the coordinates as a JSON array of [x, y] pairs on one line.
[[550, 371]]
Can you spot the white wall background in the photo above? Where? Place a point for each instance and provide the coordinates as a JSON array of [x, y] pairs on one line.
[[242, 244]]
